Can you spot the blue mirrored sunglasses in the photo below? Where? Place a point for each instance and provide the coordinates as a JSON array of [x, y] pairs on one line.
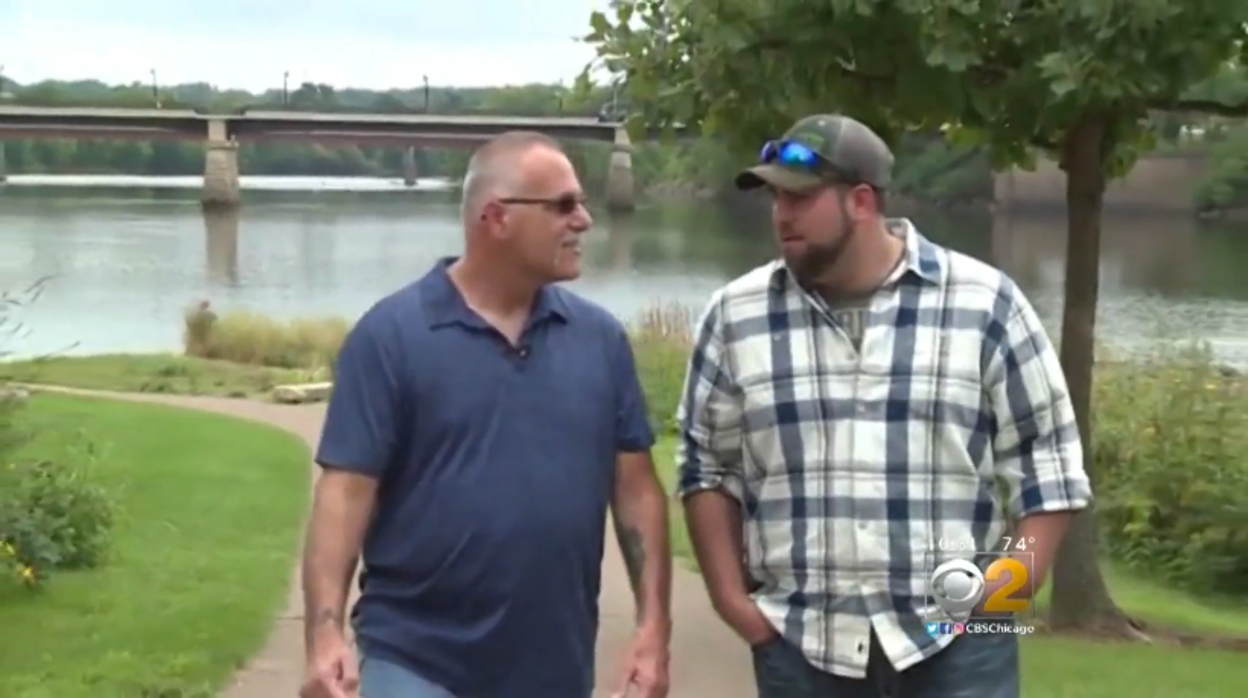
[[800, 156], [791, 154]]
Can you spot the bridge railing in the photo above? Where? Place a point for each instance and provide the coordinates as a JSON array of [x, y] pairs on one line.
[[278, 105], [340, 109]]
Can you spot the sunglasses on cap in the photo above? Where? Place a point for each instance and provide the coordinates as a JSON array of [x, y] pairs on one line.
[[800, 156], [564, 205]]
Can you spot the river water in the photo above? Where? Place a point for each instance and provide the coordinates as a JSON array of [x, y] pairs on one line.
[[126, 255]]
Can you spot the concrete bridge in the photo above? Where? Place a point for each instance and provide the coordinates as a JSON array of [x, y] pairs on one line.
[[222, 133]]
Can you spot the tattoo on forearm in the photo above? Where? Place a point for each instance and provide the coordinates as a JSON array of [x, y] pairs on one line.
[[634, 552], [325, 616]]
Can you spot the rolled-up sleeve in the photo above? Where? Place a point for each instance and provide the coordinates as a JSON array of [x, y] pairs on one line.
[[710, 412], [1037, 453]]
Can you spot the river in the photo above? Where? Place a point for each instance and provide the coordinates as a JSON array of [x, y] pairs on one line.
[[126, 255]]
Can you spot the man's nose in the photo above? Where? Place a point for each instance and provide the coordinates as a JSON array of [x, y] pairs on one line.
[[580, 221], [781, 211]]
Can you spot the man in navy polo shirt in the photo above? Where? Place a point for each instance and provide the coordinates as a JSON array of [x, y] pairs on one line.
[[482, 423]]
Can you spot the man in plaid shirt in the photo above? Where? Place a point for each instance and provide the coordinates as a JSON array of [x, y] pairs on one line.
[[851, 411]]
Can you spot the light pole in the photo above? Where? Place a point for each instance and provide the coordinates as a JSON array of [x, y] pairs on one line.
[[426, 78], [285, 88], [155, 89]]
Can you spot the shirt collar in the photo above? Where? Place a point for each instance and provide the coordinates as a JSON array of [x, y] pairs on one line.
[[445, 305]]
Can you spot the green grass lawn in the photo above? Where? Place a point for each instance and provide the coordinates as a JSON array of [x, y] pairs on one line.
[[151, 373], [1057, 667], [203, 548]]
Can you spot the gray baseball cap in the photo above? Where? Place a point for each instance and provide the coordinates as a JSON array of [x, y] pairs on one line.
[[851, 154]]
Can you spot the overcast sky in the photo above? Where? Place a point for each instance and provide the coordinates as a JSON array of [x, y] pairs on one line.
[[249, 43]]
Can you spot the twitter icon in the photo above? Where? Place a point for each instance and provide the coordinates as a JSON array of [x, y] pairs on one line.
[[933, 629]]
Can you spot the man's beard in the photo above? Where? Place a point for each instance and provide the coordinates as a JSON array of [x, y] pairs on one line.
[[815, 259]]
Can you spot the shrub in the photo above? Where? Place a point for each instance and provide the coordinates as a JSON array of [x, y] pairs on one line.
[[197, 336], [1171, 454], [251, 338], [52, 515]]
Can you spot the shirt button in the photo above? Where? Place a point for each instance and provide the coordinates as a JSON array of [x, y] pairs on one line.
[[863, 408], [862, 647]]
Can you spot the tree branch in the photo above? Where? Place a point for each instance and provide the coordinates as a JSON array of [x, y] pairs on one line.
[[1203, 106]]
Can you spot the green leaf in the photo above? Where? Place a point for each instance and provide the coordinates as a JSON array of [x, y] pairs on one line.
[[1062, 86], [600, 24]]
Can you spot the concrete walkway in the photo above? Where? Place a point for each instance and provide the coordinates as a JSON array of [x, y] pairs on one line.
[[707, 659]]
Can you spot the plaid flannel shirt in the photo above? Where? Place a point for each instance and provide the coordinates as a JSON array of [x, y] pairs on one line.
[[951, 421]]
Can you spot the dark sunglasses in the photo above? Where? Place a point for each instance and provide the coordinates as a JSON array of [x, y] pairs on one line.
[[799, 156], [564, 205]]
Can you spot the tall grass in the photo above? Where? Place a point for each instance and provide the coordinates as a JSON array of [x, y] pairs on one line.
[[251, 338], [662, 338]]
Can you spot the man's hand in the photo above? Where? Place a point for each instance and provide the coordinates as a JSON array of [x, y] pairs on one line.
[[747, 620], [646, 667], [341, 510], [332, 671]]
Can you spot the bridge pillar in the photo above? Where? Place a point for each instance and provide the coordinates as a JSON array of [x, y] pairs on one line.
[[620, 194], [221, 239], [4, 168], [621, 240], [220, 169], [409, 166]]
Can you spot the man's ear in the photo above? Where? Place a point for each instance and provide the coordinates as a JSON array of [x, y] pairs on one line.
[[494, 214], [861, 202]]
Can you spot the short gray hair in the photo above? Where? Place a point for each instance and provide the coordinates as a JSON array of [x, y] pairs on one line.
[[492, 166]]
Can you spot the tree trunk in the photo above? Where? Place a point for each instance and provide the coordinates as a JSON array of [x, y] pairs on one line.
[[1080, 599]]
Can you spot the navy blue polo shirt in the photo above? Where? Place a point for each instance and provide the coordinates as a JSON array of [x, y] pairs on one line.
[[496, 465]]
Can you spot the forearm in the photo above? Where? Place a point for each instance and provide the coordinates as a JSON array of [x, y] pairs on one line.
[[715, 529], [641, 527], [1043, 532], [335, 532]]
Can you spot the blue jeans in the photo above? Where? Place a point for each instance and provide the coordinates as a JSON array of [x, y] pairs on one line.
[[380, 679], [974, 666]]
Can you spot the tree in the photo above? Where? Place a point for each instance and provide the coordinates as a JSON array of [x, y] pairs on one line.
[[1076, 79]]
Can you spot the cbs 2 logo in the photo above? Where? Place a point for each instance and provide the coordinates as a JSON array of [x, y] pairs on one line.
[[959, 586]]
